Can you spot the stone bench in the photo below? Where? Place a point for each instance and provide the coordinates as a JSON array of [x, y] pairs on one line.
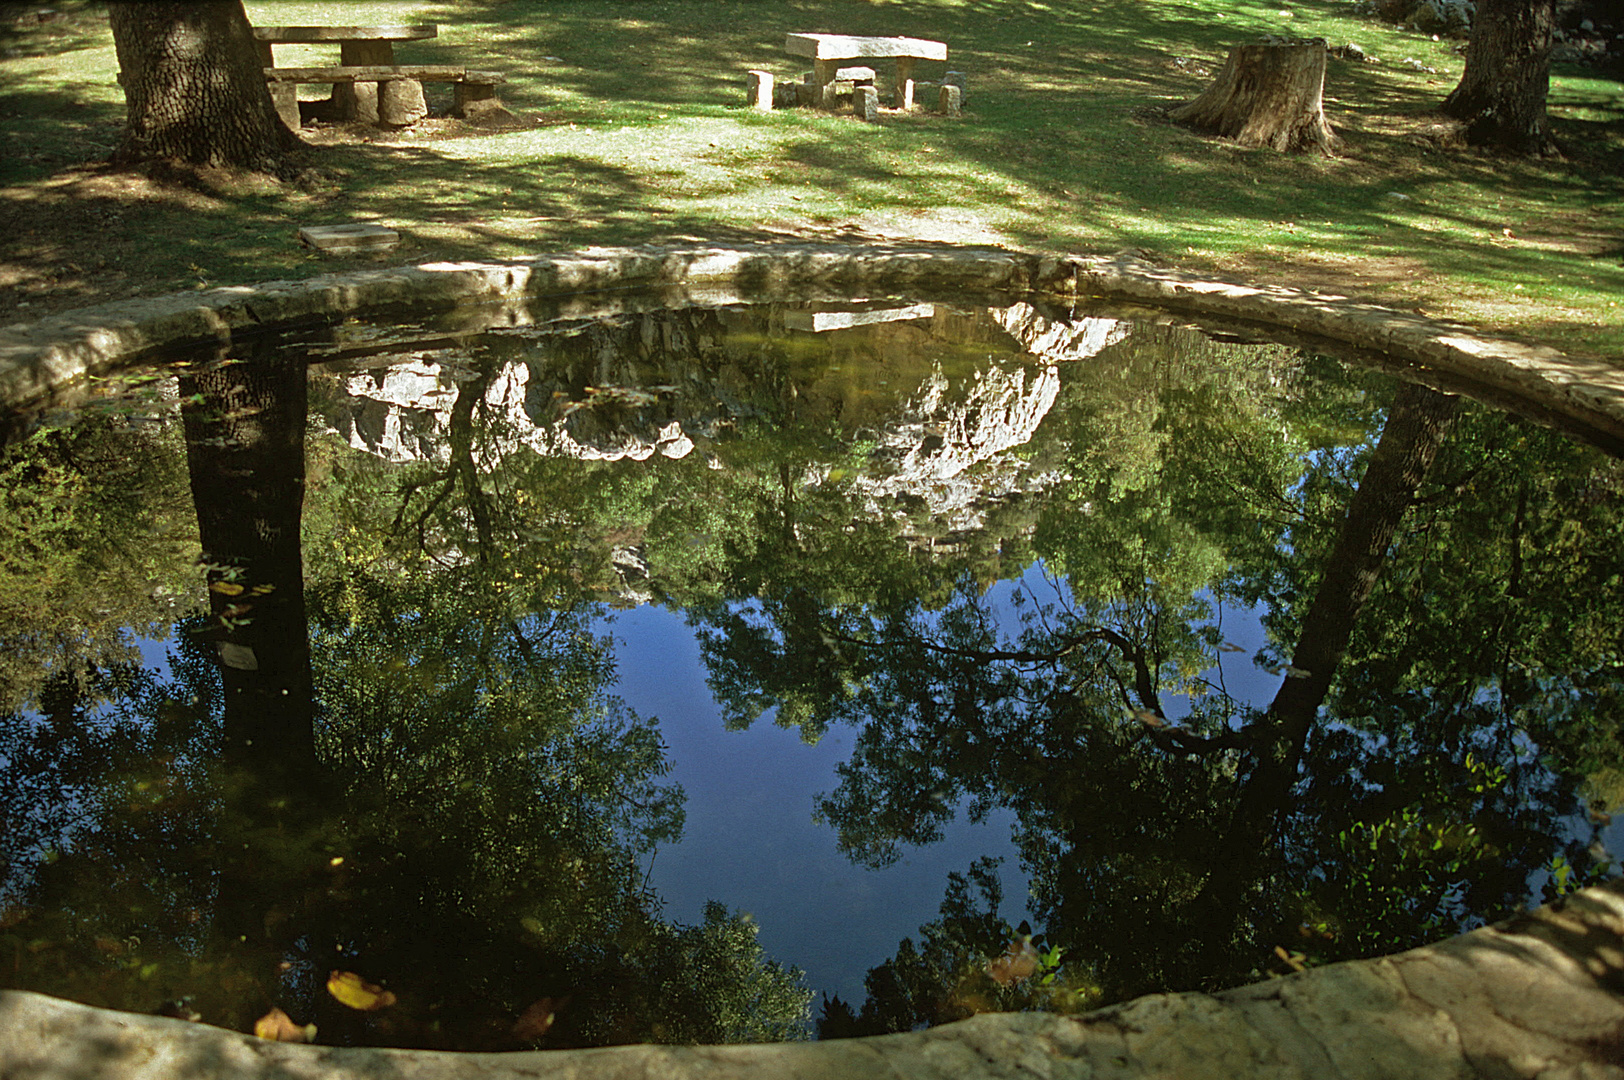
[[399, 89], [829, 51]]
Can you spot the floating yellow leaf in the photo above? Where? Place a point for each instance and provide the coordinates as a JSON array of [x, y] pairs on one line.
[[1294, 960], [534, 1021], [277, 1026], [226, 588], [354, 991]]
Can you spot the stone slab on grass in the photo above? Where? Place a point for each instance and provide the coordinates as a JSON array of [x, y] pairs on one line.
[[359, 236]]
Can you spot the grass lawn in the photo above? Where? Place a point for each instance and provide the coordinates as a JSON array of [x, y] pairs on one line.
[[632, 128]]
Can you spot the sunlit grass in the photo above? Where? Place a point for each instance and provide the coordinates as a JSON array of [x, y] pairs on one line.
[[633, 130]]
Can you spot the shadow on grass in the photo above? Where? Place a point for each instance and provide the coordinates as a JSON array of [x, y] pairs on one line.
[[1060, 149], [44, 131]]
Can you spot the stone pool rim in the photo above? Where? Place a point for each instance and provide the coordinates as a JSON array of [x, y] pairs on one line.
[[41, 358]]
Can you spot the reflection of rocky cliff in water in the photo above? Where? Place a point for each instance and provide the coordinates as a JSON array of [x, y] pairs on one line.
[[938, 394]]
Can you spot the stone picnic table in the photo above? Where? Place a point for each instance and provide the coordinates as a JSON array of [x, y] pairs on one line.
[[367, 83], [829, 51]]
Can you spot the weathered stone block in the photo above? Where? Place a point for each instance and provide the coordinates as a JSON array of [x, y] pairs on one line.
[[866, 100], [356, 101], [759, 90], [401, 102], [950, 101], [285, 96], [477, 95]]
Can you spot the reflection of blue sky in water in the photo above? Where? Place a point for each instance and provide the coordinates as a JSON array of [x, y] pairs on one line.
[[750, 841]]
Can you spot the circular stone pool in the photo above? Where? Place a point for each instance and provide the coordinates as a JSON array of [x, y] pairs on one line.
[[631, 665]]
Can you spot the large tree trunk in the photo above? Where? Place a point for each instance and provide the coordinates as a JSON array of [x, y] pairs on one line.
[[244, 426], [1502, 92], [195, 87], [1267, 95]]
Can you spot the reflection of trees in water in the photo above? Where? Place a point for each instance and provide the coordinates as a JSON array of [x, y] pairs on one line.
[[89, 557], [456, 812], [461, 804], [1178, 854], [1164, 853]]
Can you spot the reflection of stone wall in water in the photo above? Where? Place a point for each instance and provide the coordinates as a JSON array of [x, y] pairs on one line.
[[945, 446], [940, 396]]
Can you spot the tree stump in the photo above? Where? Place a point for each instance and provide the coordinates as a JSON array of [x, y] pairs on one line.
[[1268, 94]]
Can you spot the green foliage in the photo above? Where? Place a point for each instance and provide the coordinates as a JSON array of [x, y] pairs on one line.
[[709, 983], [97, 549], [968, 961]]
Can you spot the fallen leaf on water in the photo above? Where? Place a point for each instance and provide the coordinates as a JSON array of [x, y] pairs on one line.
[[277, 1026], [1294, 960], [352, 990], [1020, 961], [534, 1021], [226, 588]]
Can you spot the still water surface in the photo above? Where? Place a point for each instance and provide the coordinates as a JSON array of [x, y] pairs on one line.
[[653, 674]]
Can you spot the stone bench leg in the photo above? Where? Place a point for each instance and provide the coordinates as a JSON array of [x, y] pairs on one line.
[[866, 99], [823, 78], [759, 89], [401, 102], [904, 94], [359, 101], [472, 100], [285, 96]]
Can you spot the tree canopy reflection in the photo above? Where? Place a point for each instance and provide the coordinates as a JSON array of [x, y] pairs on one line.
[[386, 740]]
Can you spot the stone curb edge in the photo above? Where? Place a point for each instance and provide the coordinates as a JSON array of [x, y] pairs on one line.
[[1535, 993], [39, 358]]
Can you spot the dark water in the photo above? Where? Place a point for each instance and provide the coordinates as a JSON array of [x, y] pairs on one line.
[[1246, 660]]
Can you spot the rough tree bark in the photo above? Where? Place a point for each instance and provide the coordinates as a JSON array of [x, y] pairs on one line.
[[1501, 96], [195, 88], [1268, 94]]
